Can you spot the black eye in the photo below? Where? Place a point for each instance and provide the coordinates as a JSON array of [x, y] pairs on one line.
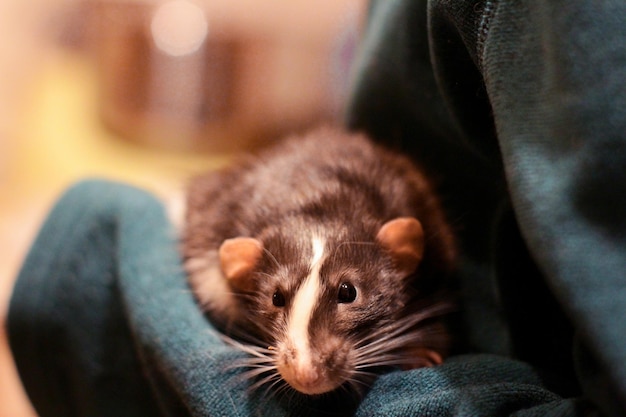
[[347, 293], [278, 299]]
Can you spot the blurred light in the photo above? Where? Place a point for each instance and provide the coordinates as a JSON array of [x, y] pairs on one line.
[[179, 27]]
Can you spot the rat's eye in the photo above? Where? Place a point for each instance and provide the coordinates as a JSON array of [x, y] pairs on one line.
[[347, 293], [278, 299]]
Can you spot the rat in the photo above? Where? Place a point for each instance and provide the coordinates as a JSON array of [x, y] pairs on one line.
[[325, 257]]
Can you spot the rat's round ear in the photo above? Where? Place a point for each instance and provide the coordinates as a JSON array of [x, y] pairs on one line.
[[422, 357], [238, 257], [403, 239]]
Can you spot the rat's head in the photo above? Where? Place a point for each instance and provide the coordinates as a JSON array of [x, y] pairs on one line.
[[329, 306]]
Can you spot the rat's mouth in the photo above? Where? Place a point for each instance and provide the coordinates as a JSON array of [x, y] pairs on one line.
[[309, 379]]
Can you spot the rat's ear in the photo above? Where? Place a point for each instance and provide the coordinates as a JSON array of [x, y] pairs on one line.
[[403, 239], [238, 256], [422, 357]]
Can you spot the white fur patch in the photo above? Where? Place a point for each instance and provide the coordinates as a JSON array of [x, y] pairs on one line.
[[175, 203], [303, 305], [210, 286]]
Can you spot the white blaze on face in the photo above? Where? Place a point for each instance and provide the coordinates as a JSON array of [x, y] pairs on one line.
[[304, 303]]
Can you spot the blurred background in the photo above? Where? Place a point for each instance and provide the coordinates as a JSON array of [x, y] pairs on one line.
[[149, 93]]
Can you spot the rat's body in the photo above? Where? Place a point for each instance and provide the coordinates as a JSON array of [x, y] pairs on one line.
[[327, 250]]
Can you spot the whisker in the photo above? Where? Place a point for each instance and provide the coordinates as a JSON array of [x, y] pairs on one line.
[[387, 345], [253, 349], [275, 389], [185, 291], [357, 386], [272, 257], [391, 358], [255, 362], [269, 378], [260, 365], [283, 391], [391, 361], [392, 329], [384, 339], [355, 243], [428, 336], [265, 274], [392, 342], [376, 360], [252, 373], [357, 371]]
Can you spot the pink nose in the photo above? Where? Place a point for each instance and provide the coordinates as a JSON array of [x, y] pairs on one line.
[[307, 378]]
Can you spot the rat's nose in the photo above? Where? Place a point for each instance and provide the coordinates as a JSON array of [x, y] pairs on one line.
[[306, 378]]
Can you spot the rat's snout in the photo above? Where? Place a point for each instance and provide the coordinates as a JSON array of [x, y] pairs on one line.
[[306, 379], [313, 369], [303, 373]]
